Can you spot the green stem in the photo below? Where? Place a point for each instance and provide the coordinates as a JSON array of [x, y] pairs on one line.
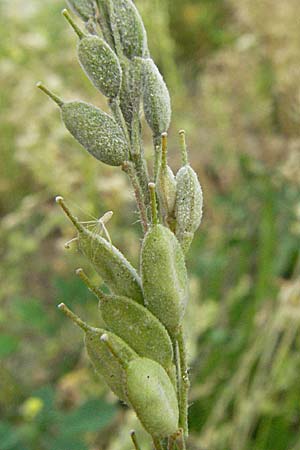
[[139, 158], [153, 204], [157, 155], [157, 444], [114, 105], [184, 383], [129, 169], [134, 440], [183, 147]]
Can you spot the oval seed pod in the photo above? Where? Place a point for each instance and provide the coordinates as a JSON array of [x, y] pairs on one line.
[[98, 61], [114, 269], [164, 277], [84, 9], [152, 396], [105, 364], [157, 103], [166, 185], [101, 65], [189, 202], [132, 33], [95, 130], [133, 323]]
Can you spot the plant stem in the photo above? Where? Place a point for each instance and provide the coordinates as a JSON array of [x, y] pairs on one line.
[[138, 157], [157, 444], [184, 383], [129, 169]]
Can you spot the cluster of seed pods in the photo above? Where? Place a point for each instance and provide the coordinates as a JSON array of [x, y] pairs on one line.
[[141, 352]]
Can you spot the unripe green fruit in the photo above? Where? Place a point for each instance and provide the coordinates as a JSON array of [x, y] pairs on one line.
[[105, 364], [152, 396], [138, 327], [188, 205], [157, 103], [131, 29], [101, 65], [116, 272], [82, 8], [96, 131], [164, 277]]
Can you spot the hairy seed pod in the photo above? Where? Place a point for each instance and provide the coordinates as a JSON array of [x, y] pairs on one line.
[[166, 185], [95, 130], [152, 396], [98, 61], [84, 9], [188, 204], [164, 277], [114, 269], [134, 324], [105, 364], [157, 103], [101, 65], [132, 33]]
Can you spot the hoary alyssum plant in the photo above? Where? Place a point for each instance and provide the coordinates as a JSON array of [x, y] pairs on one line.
[[141, 351]]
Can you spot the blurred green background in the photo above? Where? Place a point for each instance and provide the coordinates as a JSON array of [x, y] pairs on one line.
[[233, 71]]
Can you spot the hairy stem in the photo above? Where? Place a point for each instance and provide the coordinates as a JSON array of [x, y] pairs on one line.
[[184, 383], [129, 169]]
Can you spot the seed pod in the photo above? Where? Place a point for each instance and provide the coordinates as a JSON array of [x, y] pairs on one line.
[[164, 277], [189, 202], [82, 8], [157, 103], [152, 396], [95, 130], [166, 185], [137, 326], [101, 65], [98, 61], [132, 33], [105, 364], [116, 272]]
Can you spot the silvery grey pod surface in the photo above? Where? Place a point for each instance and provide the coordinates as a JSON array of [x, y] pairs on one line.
[[157, 103], [132, 33], [84, 9]]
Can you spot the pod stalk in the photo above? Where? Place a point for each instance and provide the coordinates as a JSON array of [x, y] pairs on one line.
[[183, 147], [105, 339], [153, 203], [67, 312], [50, 94], [134, 440], [75, 27], [97, 292], [60, 201], [164, 148]]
